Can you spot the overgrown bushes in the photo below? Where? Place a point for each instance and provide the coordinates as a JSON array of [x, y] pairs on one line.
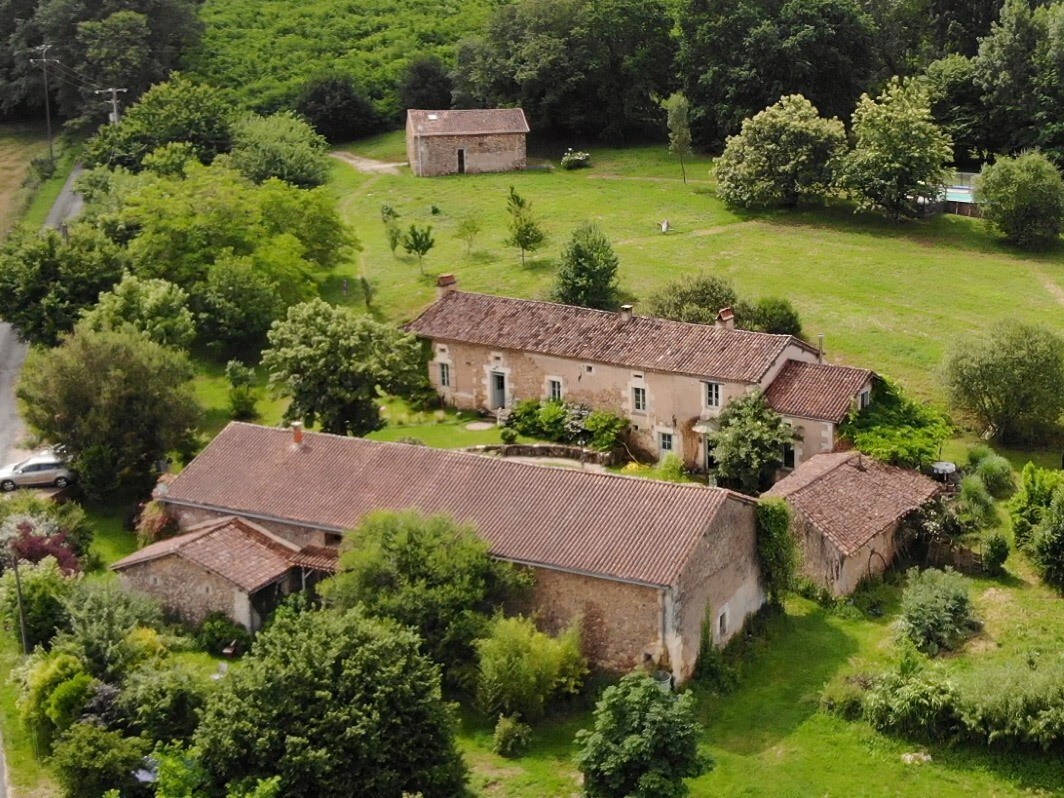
[[936, 610], [776, 547], [565, 422], [218, 631], [895, 429], [521, 668]]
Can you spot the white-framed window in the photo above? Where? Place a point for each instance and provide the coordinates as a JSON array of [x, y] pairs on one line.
[[713, 394], [445, 375], [665, 442], [864, 398], [555, 390], [639, 400]]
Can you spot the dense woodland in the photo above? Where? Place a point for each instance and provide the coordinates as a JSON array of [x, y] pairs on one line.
[[995, 69]]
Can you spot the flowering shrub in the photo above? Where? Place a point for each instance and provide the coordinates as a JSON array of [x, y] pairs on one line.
[[154, 523], [564, 422], [35, 537], [576, 159]]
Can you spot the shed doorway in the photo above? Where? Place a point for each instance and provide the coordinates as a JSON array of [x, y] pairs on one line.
[[461, 162]]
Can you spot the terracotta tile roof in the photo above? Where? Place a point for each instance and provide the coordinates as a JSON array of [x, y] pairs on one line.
[[850, 498], [598, 336], [816, 390], [598, 524], [317, 558], [475, 122], [233, 548]]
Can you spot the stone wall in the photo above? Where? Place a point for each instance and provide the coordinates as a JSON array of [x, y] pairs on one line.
[[186, 589], [558, 450], [721, 580], [430, 156], [620, 622], [824, 564]]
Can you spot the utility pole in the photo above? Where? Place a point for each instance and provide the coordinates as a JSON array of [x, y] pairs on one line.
[[114, 102], [44, 60], [18, 597]]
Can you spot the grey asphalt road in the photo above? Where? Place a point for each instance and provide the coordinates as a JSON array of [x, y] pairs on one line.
[[12, 354], [68, 204]]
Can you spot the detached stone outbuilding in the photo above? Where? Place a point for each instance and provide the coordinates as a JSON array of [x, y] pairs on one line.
[[457, 142], [847, 510], [642, 564]]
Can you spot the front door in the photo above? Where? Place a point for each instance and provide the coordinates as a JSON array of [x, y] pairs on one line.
[[498, 388], [461, 162]]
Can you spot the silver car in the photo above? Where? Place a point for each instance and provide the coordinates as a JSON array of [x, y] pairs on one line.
[[42, 469]]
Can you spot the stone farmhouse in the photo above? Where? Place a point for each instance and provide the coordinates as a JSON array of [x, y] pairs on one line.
[[224, 564], [847, 512], [457, 142], [670, 379], [643, 564]]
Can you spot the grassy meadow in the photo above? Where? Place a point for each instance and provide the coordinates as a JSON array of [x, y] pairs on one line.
[[19, 145], [887, 296]]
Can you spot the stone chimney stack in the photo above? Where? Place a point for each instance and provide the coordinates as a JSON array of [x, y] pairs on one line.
[[297, 433], [445, 284], [626, 313], [726, 318]]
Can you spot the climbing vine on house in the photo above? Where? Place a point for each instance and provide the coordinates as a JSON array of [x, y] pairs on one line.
[[776, 547]]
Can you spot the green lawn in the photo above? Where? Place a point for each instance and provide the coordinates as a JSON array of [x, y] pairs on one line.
[[769, 738], [888, 296]]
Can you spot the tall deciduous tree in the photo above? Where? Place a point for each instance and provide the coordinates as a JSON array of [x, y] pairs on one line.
[[587, 275], [117, 401], [1010, 377], [679, 121], [428, 573], [331, 362], [336, 107], [737, 56], [566, 61], [1022, 198], [901, 155], [784, 154], [179, 110], [426, 84], [336, 704], [156, 308], [748, 446], [281, 145], [46, 281], [643, 744], [694, 298]]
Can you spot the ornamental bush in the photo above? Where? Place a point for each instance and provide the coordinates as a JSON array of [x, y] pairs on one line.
[[896, 429], [45, 589], [155, 522], [937, 613], [975, 504], [1030, 502], [995, 472], [511, 737], [995, 552], [217, 631], [565, 422], [1022, 199], [576, 159], [643, 743], [1047, 543]]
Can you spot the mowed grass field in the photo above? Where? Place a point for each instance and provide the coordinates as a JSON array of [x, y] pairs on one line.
[[19, 145], [887, 296]]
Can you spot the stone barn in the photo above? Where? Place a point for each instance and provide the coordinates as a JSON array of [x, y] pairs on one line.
[[644, 565], [457, 142], [846, 512]]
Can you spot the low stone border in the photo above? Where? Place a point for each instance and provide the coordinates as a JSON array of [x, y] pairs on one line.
[[545, 450]]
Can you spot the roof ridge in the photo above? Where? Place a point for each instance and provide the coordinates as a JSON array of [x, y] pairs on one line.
[[610, 313], [506, 461]]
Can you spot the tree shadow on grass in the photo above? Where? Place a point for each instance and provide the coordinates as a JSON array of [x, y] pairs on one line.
[[782, 676]]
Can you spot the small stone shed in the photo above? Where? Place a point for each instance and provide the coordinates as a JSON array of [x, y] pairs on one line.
[[642, 564], [457, 142], [846, 512], [224, 564]]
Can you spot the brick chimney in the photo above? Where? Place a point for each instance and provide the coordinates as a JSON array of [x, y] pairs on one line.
[[726, 318], [445, 284], [297, 434], [626, 313]]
